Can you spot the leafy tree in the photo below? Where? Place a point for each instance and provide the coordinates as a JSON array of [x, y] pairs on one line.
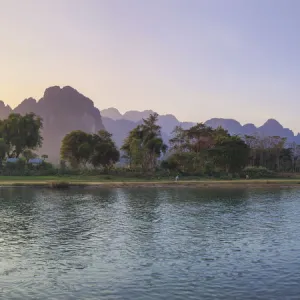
[[80, 148], [76, 148], [132, 147], [21, 133], [3, 150], [266, 151], [190, 147], [230, 154], [200, 137], [105, 152], [286, 159], [202, 149], [144, 144]]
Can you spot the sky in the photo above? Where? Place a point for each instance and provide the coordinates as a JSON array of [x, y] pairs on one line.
[[196, 59]]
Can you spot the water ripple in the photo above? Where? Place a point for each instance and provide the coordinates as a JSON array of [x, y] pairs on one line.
[[149, 244]]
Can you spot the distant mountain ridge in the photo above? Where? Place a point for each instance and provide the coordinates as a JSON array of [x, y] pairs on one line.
[[65, 109], [168, 122]]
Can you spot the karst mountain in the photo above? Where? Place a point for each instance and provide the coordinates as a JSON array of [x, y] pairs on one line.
[[65, 109]]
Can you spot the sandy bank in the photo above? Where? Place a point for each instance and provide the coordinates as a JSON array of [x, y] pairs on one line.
[[163, 184]]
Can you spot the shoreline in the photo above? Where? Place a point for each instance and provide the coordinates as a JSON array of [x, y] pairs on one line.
[[254, 183]]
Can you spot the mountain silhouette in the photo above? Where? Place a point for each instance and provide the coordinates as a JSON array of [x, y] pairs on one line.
[[65, 109], [270, 128], [5, 110], [111, 113], [168, 122]]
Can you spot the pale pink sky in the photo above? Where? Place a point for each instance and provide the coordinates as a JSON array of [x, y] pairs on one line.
[[196, 59]]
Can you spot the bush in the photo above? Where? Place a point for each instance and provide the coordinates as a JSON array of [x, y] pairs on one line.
[[226, 177], [257, 172], [21, 168]]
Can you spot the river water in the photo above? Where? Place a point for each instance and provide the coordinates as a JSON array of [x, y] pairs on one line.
[[149, 244]]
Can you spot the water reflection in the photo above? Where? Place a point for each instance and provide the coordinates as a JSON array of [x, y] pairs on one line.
[[149, 244]]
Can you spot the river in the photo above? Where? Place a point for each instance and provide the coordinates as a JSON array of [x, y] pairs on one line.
[[149, 244]]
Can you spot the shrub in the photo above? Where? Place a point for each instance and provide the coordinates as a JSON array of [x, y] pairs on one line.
[[257, 172]]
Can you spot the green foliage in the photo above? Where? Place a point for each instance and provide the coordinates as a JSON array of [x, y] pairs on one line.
[[257, 172], [19, 137], [21, 133], [202, 149], [266, 151], [105, 152], [18, 166], [230, 153], [197, 151], [3, 150], [80, 148], [144, 145], [76, 148], [22, 168]]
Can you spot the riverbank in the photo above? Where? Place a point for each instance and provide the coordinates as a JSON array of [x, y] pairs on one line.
[[73, 181]]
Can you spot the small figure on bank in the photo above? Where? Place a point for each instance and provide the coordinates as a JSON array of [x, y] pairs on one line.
[[176, 178]]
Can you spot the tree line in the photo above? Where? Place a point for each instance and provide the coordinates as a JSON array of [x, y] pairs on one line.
[[197, 150]]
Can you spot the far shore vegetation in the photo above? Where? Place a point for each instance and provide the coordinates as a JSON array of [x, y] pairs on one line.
[[199, 154]]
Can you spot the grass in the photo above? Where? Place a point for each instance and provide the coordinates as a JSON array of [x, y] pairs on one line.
[[117, 181]]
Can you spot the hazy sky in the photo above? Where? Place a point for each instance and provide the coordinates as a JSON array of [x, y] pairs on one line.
[[196, 59]]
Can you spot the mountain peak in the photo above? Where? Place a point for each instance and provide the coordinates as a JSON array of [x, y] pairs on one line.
[[272, 122], [135, 115], [5, 110], [62, 110], [30, 101], [111, 113], [271, 125], [51, 91], [3, 105], [233, 126], [169, 117]]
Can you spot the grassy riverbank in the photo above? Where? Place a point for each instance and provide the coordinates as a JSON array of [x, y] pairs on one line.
[[107, 181]]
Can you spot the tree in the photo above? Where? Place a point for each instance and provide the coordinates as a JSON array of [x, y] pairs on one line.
[[144, 144], [266, 151], [105, 152], [21, 133], [277, 145], [202, 149], [230, 154], [190, 147], [81, 148], [3, 150], [179, 142], [286, 159], [200, 137], [76, 148], [295, 156], [132, 147]]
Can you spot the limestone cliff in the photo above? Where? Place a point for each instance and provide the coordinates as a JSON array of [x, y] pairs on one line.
[[63, 110], [5, 110]]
